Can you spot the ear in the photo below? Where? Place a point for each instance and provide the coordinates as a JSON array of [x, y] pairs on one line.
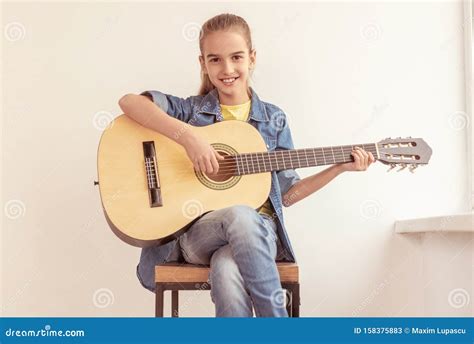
[[253, 58], [203, 65]]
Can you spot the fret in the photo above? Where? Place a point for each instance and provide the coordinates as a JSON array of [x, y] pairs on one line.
[[282, 159], [251, 161], [284, 165], [246, 166], [237, 164], [263, 159], [252, 155]]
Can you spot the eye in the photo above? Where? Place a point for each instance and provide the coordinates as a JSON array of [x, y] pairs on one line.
[[238, 57], [214, 59]]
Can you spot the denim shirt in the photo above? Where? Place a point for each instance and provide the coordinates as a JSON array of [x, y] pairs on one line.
[[269, 120]]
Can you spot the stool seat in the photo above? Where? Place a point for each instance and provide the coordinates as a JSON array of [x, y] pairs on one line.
[[182, 273], [184, 276]]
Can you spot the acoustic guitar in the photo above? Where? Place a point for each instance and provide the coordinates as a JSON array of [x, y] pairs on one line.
[[151, 193]]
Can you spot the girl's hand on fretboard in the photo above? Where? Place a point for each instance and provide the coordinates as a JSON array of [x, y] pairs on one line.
[[362, 160]]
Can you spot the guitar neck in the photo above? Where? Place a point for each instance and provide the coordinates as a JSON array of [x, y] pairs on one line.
[[249, 163]]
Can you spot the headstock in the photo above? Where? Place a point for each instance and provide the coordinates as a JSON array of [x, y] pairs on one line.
[[405, 152]]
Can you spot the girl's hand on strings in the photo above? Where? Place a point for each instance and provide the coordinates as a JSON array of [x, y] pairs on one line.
[[202, 155], [362, 160]]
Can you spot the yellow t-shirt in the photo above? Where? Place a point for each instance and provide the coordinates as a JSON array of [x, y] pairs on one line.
[[241, 113]]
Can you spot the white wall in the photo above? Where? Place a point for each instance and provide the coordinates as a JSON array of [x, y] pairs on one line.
[[343, 72]]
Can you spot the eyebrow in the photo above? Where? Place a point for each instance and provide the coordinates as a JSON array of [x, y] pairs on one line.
[[215, 55]]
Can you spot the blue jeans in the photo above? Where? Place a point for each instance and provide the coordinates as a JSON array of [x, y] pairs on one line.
[[240, 245]]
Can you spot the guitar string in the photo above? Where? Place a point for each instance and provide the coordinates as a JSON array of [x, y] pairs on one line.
[[257, 161], [284, 157], [253, 165]]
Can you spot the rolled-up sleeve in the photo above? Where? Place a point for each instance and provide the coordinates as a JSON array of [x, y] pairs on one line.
[[286, 178], [176, 107]]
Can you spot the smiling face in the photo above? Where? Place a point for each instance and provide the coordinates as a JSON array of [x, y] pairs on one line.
[[227, 61]]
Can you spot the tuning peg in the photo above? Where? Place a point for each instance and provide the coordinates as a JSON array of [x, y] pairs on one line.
[[402, 168], [412, 168], [392, 166]]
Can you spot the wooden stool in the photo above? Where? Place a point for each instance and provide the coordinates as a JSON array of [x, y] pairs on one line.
[[176, 277]]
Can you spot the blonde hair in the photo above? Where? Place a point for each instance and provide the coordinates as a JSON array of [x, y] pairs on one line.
[[225, 22]]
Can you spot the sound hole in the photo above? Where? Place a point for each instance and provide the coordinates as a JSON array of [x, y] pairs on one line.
[[227, 168]]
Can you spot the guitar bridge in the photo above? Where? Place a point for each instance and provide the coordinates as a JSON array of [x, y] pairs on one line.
[[152, 175]]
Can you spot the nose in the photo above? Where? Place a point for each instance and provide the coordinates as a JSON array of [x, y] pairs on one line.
[[228, 67]]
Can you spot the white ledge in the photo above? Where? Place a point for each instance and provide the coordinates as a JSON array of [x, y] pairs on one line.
[[449, 223]]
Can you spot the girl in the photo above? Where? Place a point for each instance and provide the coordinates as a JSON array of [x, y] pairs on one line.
[[240, 244]]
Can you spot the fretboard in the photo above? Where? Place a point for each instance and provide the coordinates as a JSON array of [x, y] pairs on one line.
[[249, 163]]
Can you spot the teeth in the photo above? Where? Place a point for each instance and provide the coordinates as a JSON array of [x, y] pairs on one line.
[[228, 80]]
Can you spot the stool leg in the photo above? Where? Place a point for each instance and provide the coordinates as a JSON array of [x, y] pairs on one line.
[[159, 290], [295, 301], [288, 290], [174, 303]]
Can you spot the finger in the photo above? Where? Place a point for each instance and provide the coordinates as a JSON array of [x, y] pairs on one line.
[[202, 166], [363, 152], [372, 159], [365, 159], [357, 153], [215, 164], [356, 156], [359, 159], [219, 157], [196, 166], [208, 164]]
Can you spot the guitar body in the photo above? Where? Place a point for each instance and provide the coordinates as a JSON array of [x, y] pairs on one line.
[[184, 194]]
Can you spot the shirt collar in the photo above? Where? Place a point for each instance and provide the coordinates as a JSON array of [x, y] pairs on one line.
[[210, 105]]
